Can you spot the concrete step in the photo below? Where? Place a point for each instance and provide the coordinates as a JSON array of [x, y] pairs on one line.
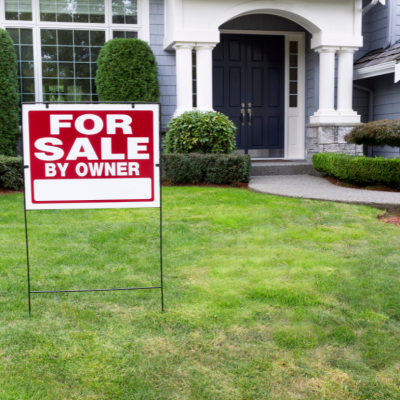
[[264, 168]]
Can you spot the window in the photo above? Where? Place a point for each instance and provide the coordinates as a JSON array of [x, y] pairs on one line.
[[293, 73], [124, 12], [23, 44], [69, 64], [124, 35], [194, 77], [84, 11], [57, 62], [18, 10]]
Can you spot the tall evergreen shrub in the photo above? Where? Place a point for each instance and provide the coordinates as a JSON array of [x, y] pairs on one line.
[[9, 95], [127, 71]]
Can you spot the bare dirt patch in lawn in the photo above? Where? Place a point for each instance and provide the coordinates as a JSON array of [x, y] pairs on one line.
[[390, 219]]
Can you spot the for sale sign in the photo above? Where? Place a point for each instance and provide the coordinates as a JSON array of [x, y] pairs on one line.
[[91, 156]]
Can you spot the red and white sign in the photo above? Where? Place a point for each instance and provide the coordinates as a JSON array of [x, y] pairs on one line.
[[91, 156]]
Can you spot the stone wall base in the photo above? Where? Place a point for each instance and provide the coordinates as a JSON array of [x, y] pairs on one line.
[[329, 138]]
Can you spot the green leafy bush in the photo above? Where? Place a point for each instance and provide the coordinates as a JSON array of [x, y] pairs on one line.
[[359, 169], [209, 168], [9, 95], [127, 71], [11, 172], [200, 132], [377, 133]]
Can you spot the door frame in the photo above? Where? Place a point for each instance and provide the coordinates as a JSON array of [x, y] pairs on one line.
[[294, 131]]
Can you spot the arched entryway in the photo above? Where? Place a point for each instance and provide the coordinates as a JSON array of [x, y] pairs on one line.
[[259, 82]]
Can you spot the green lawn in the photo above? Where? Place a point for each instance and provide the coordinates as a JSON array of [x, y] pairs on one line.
[[266, 298]]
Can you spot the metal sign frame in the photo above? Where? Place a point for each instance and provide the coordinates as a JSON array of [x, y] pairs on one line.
[[159, 165]]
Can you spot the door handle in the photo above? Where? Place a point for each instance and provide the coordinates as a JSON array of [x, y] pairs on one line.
[[243, 116], [249, 111]]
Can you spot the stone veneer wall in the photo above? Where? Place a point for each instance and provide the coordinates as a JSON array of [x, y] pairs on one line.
[[329, 138]]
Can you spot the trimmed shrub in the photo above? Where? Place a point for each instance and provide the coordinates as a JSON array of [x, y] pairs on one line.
[[377, 133], [200, 132], [359, 169], [127, 71], [210, 168], [9, 95], [11, 172]]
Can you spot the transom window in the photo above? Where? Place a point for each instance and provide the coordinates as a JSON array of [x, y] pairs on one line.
[[57, 62]]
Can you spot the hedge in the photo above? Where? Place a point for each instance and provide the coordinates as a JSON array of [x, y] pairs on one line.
[[127, 71], [384, 132], [359, 169], [9, 95], [11, 173], [200, 132], [209, 168]]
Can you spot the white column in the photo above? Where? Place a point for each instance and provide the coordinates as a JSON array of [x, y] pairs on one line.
[[326, 81], [345, 81], [204, 76], [184, 79]]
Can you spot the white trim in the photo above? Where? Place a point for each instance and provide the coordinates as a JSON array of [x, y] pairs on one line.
[[375, 70], [295, 151]]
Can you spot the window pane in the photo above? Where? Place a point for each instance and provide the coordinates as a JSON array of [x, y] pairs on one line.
[[294, 47], [125, 35], [18, 10], [83, 11], [124, 11], [293, 101], [23, 44], [67, 65]]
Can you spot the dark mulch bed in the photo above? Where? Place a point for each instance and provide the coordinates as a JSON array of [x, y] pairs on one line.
[[237, 185], [7, 191], [338, 182]]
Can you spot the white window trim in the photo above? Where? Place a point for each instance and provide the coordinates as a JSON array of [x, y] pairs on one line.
[[142, 27], [294, 136]]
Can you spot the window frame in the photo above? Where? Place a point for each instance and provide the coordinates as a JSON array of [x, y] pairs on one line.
[[142, 28]]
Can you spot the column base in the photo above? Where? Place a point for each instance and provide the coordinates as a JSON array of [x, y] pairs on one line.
[[329, 138], [335, 119]]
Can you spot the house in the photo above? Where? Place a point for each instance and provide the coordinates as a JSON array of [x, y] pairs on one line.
[[282, 70]]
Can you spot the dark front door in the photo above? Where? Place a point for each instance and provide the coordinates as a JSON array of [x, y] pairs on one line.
[[248, 87]]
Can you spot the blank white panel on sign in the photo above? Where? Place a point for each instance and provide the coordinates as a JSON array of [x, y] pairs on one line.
[[92, 189]]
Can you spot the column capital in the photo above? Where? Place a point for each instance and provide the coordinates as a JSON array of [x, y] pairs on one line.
[[351, 50], [205, 46], [183, 45], [327, 49]]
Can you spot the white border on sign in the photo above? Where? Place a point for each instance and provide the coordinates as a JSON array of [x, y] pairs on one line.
[[91, 107]]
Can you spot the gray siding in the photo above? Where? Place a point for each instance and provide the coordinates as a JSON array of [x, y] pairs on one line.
[[361, 103], [396, 22], [165, 59], [378, 26]]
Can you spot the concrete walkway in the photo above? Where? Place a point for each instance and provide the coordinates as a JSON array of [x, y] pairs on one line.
[[312, 187]]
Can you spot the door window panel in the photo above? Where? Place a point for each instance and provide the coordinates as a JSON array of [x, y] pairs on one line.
[[18, 10], [293, 73], [83, 11], [69, 64], [23, 44], [124, 12]]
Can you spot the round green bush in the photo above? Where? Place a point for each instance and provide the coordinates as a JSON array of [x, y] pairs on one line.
[[9, 96], [200, 132], [384, 132], [127, 71]]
